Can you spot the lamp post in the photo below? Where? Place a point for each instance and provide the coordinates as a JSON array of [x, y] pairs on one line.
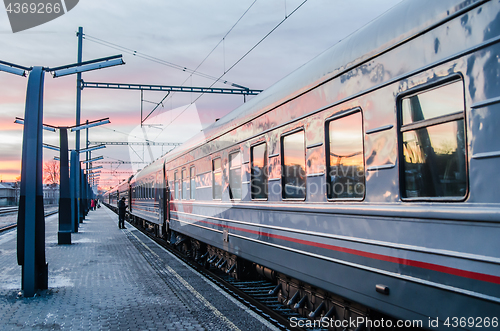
[[65, 201], [31, 218], [73, 196], [64, 233], [82, 192], [97, 158], [88, 163]]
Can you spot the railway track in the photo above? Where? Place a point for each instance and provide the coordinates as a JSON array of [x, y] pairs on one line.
[[258, 295], [13, 225], [8, 210], [261, 295]]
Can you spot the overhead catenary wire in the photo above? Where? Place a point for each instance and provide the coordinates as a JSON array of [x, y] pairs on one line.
[[170, 64], [206, 57], [128, 134], [239, 60], [193, 72], [156, 60], [225, 36]]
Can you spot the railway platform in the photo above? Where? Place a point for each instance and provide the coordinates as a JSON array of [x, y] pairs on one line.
[[113, 279]]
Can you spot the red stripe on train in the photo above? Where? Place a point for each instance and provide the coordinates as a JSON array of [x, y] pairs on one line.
[[412, 263]]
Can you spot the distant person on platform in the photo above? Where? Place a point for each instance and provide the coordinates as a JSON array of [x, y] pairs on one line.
[[121, 213], [92, 204]]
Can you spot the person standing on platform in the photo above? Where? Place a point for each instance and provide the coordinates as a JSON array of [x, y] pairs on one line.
[[92, 204], [121, 213]]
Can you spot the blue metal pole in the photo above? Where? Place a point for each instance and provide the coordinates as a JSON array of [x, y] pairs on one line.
[[64, 234], [73, 188], [87, 164], [78, 111], [31, 219], [89, 192], [85, 194], [82, 189]]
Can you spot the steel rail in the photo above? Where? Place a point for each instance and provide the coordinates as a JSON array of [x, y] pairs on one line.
[[247, 300], [14, 225]]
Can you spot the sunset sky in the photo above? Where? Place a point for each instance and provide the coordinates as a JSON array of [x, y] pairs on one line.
[[178, 32]]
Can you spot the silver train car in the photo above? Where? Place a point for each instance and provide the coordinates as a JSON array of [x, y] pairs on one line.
[[363, 182], [114, 195], [148, 192], [111, 197]]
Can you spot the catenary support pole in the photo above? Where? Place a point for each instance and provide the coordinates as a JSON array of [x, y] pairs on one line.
[[73, 180], [31, 218], [64, 233], [78, 113], [82, 192], [87, 154]]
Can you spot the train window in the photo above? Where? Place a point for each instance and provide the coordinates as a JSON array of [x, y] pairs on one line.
[[433, 143], [259, 171], [217, 179], [176, 186], [192, 183], [346, 170], [293, 181], [235, 176], [185, 185]]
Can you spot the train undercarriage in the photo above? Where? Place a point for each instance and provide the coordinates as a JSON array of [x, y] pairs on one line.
[[314, 305]]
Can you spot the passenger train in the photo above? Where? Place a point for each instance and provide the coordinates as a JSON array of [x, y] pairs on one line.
[[363, 183]]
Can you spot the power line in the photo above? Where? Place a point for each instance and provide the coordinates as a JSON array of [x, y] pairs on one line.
[[121, 162], [206, 57], [173, 65], [117, 172], [238, 61], [157, 60], [223, 38], [136, 143], [169, 88], [192, 72], [267, 35], [127, 134]]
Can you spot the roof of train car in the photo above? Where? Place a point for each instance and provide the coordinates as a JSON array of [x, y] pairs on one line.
[[120, 186], [152, 168], [399, 24], [112, 190]]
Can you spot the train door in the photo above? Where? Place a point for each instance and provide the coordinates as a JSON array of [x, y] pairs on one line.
[[166, 206], [130, 196]]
